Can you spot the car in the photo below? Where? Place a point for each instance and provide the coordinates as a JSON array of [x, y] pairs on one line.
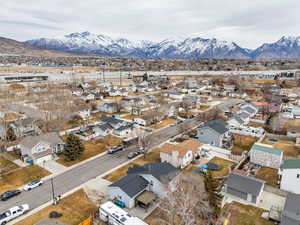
[[132, 155], [13, 213], [9, 194], [33, 184], [115, 149]]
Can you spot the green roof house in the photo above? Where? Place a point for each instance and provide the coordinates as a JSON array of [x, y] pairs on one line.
[[290, 176], [266, 155]]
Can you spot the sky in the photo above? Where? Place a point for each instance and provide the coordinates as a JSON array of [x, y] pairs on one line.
[[247, 23]]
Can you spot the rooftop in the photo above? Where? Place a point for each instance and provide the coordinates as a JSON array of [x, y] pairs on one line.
[[291, 164], [265, 148]]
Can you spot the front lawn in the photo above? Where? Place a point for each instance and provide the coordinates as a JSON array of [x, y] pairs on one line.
[[21, 176], [7, 165], [75, 209], [92, 148], [163, 123]]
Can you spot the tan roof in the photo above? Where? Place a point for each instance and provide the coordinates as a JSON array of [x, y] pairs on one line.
[[182, 148]]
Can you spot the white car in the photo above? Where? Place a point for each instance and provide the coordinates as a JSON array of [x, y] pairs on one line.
[[33, 184], [13, 213]]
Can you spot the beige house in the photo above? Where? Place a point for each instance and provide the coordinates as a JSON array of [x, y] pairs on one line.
[[180, 155]]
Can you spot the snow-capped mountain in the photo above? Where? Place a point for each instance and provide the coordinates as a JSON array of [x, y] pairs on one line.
[[171, 48], [286, 47]]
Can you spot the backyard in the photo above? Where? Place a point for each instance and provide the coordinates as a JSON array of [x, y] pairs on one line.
[[242, 142], [288, 147], [239, 214], [269, 175], [74, 209], [224, 164]]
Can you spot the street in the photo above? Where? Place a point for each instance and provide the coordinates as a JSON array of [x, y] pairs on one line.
[[76, 176]]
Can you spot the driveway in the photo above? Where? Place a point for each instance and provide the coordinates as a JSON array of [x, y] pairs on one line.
[[53, 167]]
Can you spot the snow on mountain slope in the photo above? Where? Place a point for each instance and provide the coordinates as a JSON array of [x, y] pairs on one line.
[[86, 42]]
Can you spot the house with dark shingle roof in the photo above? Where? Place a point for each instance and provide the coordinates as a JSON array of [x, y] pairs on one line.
[[243, 187], [290, 176], [213, 132], [41, 148], [266, 155], [150, 177], [291, 211]]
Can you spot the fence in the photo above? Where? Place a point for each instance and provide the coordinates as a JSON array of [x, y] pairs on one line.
[[87, 221]]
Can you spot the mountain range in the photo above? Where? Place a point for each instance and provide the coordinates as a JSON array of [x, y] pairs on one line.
[[197, 47]]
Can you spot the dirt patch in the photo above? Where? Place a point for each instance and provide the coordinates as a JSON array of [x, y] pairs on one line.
[[242, 142], [288, 147], [75, 208]]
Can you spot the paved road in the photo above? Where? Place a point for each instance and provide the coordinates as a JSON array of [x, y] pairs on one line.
[[81, 174]]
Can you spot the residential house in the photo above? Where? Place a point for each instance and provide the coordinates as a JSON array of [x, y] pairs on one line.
[[25, 127], [124, 130], [2, 115], [235, 121], [151, 177], [290, 176], [180, 155], [108, 107], [266, 155], [175, 95], [149, 118], [103, 130], [39, 149], [114, 122], [296, 112], [244, 188], [84, 114], [291, 211], [214, 132]]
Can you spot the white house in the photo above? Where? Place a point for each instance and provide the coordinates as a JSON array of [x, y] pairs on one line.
[[41, 148], [180, 155], [290, 176], [150, 178], [266, 155], [2, 114], [85, 114]]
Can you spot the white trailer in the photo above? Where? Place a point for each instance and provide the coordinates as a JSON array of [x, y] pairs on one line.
[[114, 215]]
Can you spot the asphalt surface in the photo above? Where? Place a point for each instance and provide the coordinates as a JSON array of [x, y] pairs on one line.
[[79, 175]]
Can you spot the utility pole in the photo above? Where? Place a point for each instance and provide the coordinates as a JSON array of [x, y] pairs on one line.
[[53, 194], [103, 72]]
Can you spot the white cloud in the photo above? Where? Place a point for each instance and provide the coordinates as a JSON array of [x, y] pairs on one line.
[[248, 23]]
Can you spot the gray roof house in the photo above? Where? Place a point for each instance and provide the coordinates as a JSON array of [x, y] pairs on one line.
[[150, 177], [243, 187], [41, 148], [213, 132], [291, 211]]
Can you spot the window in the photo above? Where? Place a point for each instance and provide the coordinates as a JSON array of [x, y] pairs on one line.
[[298, 176]]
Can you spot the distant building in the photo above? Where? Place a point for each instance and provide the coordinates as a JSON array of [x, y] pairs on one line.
[[291, 211]]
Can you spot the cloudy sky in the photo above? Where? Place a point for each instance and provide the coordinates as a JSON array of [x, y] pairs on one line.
[[248, 23]]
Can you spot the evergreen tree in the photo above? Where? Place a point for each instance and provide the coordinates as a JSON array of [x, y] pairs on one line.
[[73, 148], [10, 134]]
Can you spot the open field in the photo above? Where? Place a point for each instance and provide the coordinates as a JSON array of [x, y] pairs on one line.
[[75, 208], [225, 166], [21, 176], [117, 174], [240, 214], [287, 146]]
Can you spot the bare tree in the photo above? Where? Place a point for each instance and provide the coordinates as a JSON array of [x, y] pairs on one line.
[[277, 124], [144, 142], [185, 202]]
